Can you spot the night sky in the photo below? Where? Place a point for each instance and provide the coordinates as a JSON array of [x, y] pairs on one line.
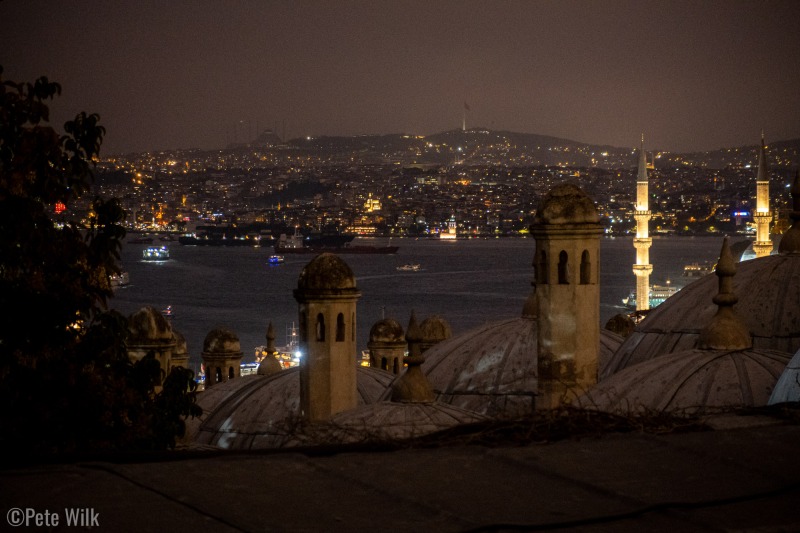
[[203, 73]]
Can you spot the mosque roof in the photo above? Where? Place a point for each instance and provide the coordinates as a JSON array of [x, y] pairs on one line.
[[256, 412], [326, 271], [691, 382], [435, 329], [222, 341], [492, 369], [148, 325], [768, 289], [566, 204], [788, 387], [387, 330]]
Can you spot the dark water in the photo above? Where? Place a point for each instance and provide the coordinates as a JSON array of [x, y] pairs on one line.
[[468, 282]]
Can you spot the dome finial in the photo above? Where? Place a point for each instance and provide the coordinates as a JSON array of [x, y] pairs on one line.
[[271, 338], [412, 385], [790, 242], [726, 331]]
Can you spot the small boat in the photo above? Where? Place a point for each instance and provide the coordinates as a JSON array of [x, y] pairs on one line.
[[276, 260], [410, 267], [120, 280], [168, 312], [155, 253]]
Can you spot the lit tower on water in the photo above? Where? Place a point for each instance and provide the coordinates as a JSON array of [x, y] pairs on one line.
[[763, 245], [642, 269]]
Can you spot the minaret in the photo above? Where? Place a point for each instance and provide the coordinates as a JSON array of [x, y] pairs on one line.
[[763, 244], [642, 242]]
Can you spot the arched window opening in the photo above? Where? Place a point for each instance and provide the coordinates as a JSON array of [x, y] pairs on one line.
[[396, 367], [543, 273], [340, 328], [353, 327], [586, 268], [218, 375], [231, 375], [320, 328], [563, 269], [384, 365]]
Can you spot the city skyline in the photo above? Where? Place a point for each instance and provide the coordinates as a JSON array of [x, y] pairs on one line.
[[202, 75]]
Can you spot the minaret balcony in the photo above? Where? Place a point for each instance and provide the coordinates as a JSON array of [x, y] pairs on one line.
[[642, 270]]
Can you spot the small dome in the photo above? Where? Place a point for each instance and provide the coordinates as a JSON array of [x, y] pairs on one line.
[[566, 204], [387, 330], [692, 382], [268, 365], [257, 412], [326, 272], [435, 329], [222, 341], [147, 325]]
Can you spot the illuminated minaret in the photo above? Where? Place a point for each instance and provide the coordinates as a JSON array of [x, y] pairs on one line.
[[763, 245], [642, 269]]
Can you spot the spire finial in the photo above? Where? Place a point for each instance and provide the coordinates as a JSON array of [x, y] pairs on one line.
[[726, 331], [412, 385]]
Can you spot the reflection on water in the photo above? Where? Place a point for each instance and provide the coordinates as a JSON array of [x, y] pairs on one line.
[[469, 283]]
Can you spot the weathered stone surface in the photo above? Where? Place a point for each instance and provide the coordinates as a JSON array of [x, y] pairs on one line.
[[326, 272], [566, 204], [221, 341]]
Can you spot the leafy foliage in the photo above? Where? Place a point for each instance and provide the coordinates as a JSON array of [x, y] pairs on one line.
[[66, 382]]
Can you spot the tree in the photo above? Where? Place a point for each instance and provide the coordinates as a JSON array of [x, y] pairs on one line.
[[66, 382]]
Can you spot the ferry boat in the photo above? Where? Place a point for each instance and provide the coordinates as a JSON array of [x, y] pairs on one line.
[[658, 294], [697, 270], [410, 267], [155, 253], [276, 260]]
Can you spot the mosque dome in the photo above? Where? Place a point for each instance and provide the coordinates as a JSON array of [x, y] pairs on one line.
[[148, 326], [566, 204], [387, 330], [691, 382], [326, 272], [768, 289], [257, 412], [492, 369], [435, 329], [221, 341], [788, 387]]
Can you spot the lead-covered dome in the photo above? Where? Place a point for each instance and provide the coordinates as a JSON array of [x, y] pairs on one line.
[[492, 369], [257, 412], [326, 272], [221, 341], [566, 204], [692, 382], [768, 289], [148, 325], [387, 330]]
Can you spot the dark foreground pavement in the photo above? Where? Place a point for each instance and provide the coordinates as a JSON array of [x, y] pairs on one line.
[[745, 479]]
